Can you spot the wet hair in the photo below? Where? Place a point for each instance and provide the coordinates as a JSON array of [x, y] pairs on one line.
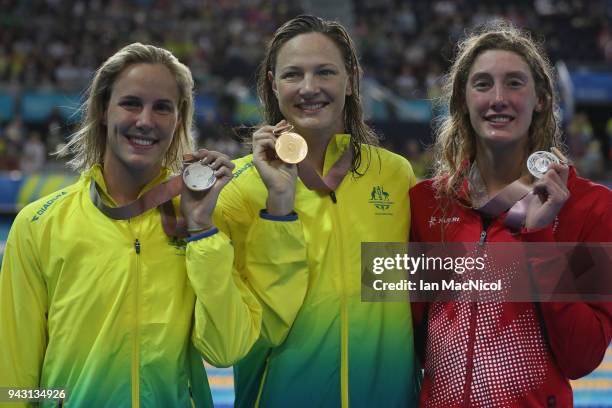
[[455, 139], [88, 143], [354, 123]]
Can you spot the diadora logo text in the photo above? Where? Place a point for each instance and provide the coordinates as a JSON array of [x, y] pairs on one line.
[[46, 205], [241, 170], [381, 200]]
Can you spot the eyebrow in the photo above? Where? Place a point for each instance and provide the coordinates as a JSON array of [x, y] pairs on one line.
[[295, 67], [139, 98], [521, 74]]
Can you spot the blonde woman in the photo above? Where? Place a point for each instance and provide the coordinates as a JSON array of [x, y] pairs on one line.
[[114, 312]]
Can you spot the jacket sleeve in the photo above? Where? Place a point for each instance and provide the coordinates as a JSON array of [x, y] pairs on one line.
[[271, 257], [277, 272], [227, 316], [23, 308], [578, 332]]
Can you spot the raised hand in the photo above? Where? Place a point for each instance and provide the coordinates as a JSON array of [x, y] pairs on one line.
[[551, 193], [198, 206], [279, 177]]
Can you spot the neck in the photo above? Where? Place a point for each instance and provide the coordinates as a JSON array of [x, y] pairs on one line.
[[124, 186], [317, 146], [499, 168]]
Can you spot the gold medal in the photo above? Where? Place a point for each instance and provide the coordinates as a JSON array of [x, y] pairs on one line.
[[290, 147]]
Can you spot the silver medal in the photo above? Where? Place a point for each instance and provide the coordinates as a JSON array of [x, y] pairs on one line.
[[539, 162], [199, 177]]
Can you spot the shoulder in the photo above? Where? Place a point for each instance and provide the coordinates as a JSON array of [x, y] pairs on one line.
[[585, 195], [423, 189], [380, 160], [587, 214], [245, 169], [246, 185], [49, 204], [36, 215]]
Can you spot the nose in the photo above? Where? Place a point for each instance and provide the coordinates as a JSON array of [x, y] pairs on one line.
[[144, 121], [309, 86], [500, 101]]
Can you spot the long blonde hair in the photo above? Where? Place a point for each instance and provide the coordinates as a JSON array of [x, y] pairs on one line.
[[87, 145], [455, 140]]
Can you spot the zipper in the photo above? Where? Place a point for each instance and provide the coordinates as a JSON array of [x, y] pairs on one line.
[[483, 237], [263, 380], [344, 325], [469, 375], [135, 344]]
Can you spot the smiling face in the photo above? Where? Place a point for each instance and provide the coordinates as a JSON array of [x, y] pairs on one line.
[[141, 117], [311, 83], [501, 98]]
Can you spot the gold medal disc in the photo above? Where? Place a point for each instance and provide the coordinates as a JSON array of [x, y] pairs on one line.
[[291, 147]]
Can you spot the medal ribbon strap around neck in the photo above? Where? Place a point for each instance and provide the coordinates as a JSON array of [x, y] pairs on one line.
[[313, 181], [160, 195], [514, 198]]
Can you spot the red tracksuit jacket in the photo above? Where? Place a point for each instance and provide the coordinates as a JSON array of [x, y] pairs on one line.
[[510, 354]]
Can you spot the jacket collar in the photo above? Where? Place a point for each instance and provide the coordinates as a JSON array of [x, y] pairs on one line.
[[96, 173], [336, 146]]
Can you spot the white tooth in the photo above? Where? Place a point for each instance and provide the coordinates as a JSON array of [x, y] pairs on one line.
[[500, 119], [142, 142], [315, 106]]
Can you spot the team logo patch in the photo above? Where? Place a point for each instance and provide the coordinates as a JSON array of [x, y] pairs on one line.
[[381, 199], [179, 244]]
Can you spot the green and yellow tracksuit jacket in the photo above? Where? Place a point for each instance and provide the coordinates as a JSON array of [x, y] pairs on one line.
[[116, 312], [322, 346]]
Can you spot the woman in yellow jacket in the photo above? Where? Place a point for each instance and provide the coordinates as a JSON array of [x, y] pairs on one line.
[[321, 346], [110, 312]]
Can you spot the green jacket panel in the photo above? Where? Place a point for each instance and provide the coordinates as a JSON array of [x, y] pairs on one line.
[[331, 349]]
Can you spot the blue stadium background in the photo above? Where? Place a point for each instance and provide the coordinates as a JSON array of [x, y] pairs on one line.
[[50, 48]]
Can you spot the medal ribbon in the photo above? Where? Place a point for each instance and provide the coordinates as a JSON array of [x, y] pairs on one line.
[[515, 198], [159, 196], [313, 181]]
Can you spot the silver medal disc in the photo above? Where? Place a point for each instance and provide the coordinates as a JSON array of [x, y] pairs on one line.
[[539, 162], [199, 177]]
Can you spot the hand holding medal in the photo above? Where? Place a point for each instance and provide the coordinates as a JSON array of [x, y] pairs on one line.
[[539, 162], [205, 174], [550, 190], [275, 150], [197, 175], [290, 147]]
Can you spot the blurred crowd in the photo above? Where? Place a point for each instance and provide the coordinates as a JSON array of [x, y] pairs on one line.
[[405, 47]]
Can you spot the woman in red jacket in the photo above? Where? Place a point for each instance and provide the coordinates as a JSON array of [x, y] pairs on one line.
[[500, 94]]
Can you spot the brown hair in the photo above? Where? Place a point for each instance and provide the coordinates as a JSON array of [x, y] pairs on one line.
[[455, 144], [353, 113]]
